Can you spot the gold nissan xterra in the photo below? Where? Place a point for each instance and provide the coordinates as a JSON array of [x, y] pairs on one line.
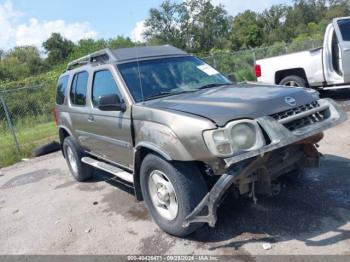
[[181, 133]]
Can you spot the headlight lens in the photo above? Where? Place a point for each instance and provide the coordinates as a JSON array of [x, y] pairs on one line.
[[220, 136], [236, 137], [243, 135]]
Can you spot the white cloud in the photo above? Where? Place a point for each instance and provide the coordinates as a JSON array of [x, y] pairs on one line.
[[137, 33], [34, 31], [8, 17], [234, 7]]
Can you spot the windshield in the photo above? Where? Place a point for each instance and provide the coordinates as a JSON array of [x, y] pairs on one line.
[[169, 76]]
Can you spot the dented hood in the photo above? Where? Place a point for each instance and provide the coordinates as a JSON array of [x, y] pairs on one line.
[[227, 103]]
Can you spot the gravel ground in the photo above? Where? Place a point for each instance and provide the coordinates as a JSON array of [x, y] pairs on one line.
[[44, 211]]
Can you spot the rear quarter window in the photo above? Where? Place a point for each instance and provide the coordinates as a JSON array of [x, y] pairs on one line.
[[79, 89], [61, 89]]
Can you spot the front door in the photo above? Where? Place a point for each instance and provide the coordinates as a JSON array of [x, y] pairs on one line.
[[342, 30], [109, 132]]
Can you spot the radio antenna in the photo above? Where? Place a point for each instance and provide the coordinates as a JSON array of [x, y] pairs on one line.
[[138, 62]]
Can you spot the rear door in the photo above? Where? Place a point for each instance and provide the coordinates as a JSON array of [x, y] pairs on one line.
[[342, 29], [78, 108]]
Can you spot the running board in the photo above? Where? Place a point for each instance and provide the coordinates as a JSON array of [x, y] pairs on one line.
[[335, 87], [109, 168]]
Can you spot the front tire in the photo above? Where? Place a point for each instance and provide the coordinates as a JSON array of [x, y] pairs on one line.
[[171, 191], [73, 155], [293, 80]]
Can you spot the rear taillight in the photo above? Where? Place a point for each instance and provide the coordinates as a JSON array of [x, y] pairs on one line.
[[55, 115], [257, 70]]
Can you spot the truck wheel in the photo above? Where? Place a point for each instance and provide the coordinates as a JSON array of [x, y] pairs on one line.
[[171, 191], [73, 155], [296, 81]]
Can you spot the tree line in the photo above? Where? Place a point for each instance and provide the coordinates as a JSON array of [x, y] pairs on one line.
[[196, 26]]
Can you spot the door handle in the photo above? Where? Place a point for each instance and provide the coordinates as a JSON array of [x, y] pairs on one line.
[[91, 118]]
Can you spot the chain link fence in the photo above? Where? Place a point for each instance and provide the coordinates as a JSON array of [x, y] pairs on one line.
[[241, 63], [26, 121]]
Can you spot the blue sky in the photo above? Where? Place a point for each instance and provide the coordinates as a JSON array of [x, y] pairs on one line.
[[24, 22]]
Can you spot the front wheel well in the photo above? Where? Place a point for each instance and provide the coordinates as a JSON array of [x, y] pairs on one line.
[[140, 154], [290, 72]]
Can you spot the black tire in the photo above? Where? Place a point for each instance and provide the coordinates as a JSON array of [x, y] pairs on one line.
[[299, 81], [46, 149], [293, 177], [189, 186], [83, 171]]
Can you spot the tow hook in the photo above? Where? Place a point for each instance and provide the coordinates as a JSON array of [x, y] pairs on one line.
[[252, 193]]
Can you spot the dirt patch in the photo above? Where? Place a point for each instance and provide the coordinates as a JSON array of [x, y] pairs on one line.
[[138, 212], [160, 243], [28, 178], [118, 201]]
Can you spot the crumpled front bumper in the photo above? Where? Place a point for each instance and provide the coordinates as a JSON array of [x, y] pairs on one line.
[[280, 136]]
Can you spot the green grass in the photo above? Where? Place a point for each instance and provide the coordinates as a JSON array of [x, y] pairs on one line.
[[29, 137]]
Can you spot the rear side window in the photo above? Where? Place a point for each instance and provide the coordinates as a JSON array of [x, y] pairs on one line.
[[79, 88], [344, 26], [61, 89], [104, 84]]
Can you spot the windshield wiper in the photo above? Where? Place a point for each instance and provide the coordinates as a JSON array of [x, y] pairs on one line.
[[166, 93], [212, 85]]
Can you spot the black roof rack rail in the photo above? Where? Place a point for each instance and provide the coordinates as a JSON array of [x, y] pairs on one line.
[[101, 56]]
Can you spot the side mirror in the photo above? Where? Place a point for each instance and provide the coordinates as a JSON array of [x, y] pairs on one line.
[[111, 103], [232, 77]]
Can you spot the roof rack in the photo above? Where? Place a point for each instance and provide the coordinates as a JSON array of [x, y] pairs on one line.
[[102, 56]]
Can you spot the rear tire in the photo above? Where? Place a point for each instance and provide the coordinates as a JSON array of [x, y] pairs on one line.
[[46, 149], [73, 155], [294, 80], [188, 188]]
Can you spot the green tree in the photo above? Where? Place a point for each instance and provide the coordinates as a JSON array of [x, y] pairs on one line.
[[120, 42], [210, 25], [167, 24], [86, 46], [337, 8], [246, 31], [304, 13], [272, 22], [21, 62], [194, 25], [57, 48]]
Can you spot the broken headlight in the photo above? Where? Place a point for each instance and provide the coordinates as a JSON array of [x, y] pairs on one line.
[[236, 137]]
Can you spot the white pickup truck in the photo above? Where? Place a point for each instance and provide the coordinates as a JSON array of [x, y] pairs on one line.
[[326, 67]]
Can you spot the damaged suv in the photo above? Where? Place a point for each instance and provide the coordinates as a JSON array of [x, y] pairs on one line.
[[182, 134]]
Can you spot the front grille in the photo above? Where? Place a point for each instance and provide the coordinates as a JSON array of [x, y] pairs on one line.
[[302, 116]]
